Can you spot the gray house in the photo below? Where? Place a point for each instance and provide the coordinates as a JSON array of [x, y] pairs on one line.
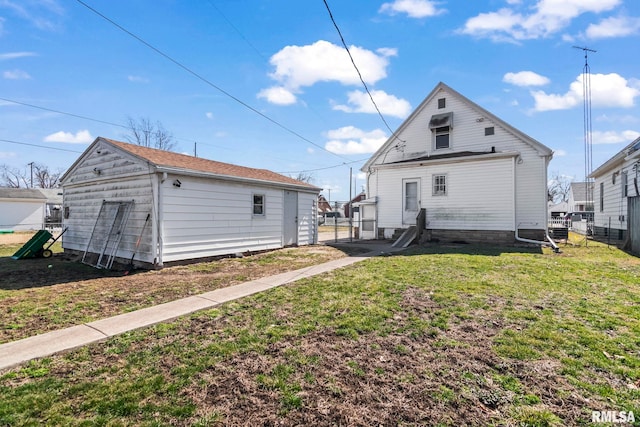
[[127, 202]]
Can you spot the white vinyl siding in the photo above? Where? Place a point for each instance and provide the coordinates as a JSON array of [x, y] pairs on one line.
[[614, 202], [208, 218], [22, 214], [471, 203], [202, 217]]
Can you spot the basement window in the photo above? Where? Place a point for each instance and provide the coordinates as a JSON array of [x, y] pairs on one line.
[[258, 204]]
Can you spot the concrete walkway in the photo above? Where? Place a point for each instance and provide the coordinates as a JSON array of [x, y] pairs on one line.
[[17, 352]]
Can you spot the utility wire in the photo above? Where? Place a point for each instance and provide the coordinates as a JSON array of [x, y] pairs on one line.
[[40, 146], [358, 70], [206, 81], [325, 168], [125, 127], [65, 113]]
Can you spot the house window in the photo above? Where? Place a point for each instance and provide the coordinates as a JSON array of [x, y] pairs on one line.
[[442, 103], [440, 185], [441, 125], [441, 137], [489, 131], [258, 204], [623, 184], [602, 197]]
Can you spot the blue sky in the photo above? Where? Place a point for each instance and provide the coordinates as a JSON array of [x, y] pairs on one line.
[[267, 83]]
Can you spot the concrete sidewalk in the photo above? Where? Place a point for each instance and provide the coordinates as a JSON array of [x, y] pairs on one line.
[[17, 352]]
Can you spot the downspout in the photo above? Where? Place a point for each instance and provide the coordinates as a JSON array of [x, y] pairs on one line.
[[158, 231], [549, 241]]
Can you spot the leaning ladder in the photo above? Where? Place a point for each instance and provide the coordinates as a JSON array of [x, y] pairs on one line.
[[108, 229]]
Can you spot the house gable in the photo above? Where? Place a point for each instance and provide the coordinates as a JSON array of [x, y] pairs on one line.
[[472, 173], [472, 129]]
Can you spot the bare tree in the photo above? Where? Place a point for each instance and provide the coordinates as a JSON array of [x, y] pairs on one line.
[[44, 178], [558, 187], [146, 133], [22, 178], [304, 177], [13, 177]]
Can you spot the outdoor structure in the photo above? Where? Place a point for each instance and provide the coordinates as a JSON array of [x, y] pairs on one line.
[[617, 197], [579, 199], [474, 177], [131, 203], [27, 208]]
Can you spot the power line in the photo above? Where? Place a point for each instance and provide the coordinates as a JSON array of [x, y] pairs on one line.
[[358, 70], [206, 81], [63, 113], [325, 168], [40, 146]]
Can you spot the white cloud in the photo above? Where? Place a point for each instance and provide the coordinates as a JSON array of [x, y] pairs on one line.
[[607, 90], [623, 119], [15, 55], [137, 79], [525, 78], [351, 140], [559, 153], [413, 8], [16, 75], [519, 23], [278, 95], [209, 115], [81, 137], [38, 13], [620, 26], [613, 137], [359, 102], [300, 66]]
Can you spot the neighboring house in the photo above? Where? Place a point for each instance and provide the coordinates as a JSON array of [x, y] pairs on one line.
[[478, 178], [346, 207], [323, 205], [22, 209], [579, 199], [128, 202], [53, 208], [558, 210], [616, 194]]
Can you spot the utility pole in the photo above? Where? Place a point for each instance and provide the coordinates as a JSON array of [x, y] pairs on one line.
[[588, 131], [31, 164]]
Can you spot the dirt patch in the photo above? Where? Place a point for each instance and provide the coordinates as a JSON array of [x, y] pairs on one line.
[[53, 293], [324, 379]]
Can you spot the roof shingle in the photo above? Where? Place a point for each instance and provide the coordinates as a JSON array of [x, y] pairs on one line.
[[183, 161]]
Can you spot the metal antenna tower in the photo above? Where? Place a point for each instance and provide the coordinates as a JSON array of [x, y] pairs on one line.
[[588, 142]]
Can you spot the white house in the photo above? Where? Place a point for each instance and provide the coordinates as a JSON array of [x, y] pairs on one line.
[[22, 209], [478, 178], [128, 202], [616, 185], [581, 197]]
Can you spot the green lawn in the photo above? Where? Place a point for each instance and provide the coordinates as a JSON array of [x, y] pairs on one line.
[[445, 335]]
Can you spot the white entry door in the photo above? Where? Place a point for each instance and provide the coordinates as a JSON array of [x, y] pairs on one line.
[[410, 200], [290, 226]]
